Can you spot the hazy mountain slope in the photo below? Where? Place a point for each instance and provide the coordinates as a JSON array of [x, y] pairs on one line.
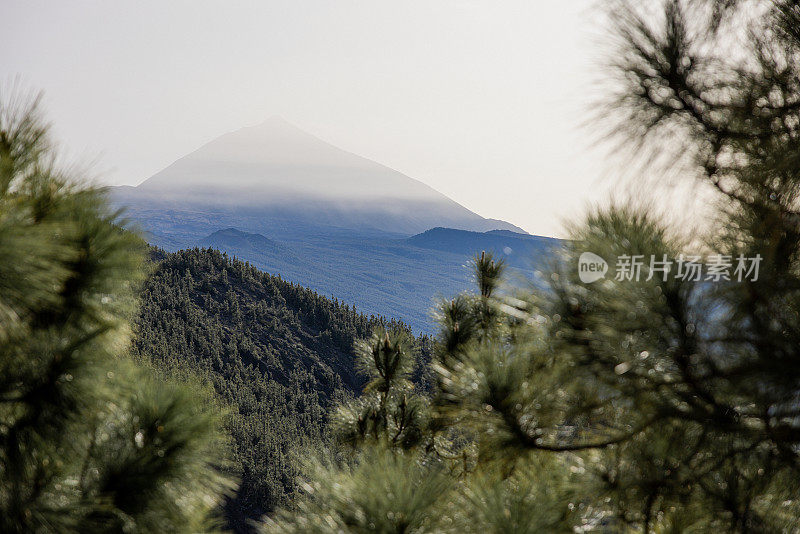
[[518, 250], [316, 215], [245, 244], [394, 277], [379, 276], [275, 177]]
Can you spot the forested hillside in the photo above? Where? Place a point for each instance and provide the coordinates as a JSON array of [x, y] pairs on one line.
[[276, 353]]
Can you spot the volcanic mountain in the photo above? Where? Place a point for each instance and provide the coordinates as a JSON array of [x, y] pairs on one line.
[[277, 179], [324, 218]]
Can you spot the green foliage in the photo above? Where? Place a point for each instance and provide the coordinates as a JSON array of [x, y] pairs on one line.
[[277, 355], [527, 502], [383, 493], [387, 359], [420, 469], [487, 273], [89, 442], [390, 411], [660, 404]]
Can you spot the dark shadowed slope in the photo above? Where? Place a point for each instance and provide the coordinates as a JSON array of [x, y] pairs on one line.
[[276, 353], [518, 250]]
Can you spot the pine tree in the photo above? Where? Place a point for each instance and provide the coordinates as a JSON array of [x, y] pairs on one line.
[[657, 403], [412, 462], [89, 441]]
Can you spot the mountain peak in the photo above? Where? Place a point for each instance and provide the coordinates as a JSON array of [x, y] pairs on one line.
[[276, 168], [276, 160], [276, 119], [276, 122]]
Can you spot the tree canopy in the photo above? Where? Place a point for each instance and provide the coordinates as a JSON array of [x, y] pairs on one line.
[[649, 399], [89, 441]]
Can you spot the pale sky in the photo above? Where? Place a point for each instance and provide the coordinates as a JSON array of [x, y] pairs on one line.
[[482, 100]]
